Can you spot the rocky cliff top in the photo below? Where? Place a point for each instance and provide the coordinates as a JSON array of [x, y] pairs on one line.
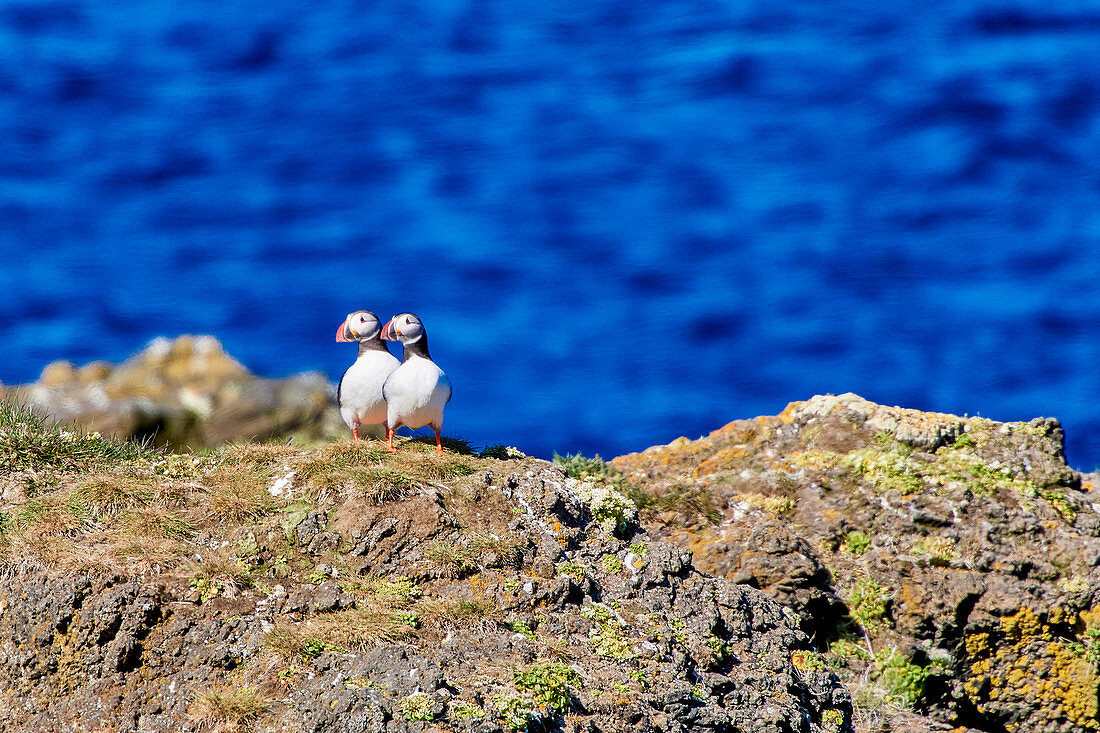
[[948, 564], [270, 588], [841, 566]]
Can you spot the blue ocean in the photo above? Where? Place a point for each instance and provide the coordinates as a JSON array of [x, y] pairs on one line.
[[620, 222]]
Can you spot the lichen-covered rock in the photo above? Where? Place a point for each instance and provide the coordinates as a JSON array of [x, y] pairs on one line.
[[948, 563], [182, 393], [361, 591]]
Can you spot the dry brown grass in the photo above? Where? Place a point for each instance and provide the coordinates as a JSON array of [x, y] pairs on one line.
[[356, 629], [105, 496], [238, 493], [447, 613], [227, 708]]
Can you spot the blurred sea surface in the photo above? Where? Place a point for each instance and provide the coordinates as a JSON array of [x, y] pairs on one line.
[[621, 222]]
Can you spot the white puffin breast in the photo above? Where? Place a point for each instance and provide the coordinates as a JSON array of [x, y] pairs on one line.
[[416, 393], [361, 389]]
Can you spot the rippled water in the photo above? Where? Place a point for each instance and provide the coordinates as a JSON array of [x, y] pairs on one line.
[[620, 223]]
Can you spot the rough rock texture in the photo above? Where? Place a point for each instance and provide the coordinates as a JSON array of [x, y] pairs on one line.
[[945, 568], [182, 393], [963, 553], [375, 592]]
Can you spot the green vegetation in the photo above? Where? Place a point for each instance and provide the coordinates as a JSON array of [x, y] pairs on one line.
[[462, 710], [29, 441], [903, 680], [607, 640], [578, 467], [548, 684], [692, 502], [857, 542], [523, 628], [780, 506], [869, 603], [610, 509], [612, 564], [572, 569], [417, 706], [940, 551]]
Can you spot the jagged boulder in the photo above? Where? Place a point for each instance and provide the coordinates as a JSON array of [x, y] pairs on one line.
[[950, 561]]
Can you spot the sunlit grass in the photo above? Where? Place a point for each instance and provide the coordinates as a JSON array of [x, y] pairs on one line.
[[227, 708], [30, 441]]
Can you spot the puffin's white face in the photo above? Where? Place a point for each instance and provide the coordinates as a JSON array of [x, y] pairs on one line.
[[404, 327], [359, 326]]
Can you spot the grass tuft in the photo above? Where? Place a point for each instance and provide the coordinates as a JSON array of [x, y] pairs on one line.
[[30, 441], [238, 494], [227, 708]]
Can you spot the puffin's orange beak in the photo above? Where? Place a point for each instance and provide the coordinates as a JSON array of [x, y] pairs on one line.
[[342, 332], [389, 332]]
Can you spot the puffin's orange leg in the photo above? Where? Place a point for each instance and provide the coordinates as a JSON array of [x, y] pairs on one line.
[[355, 432], [438, 443], [389, 440]]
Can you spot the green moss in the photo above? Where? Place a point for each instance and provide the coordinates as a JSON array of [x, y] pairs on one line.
[[1061, 504], [571, 569], [888, 469], [417, 706], [857, 542], [966, 440], [612, 564], [892, 466]]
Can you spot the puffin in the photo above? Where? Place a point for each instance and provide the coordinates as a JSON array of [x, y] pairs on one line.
[[417, 391], [360, 392]]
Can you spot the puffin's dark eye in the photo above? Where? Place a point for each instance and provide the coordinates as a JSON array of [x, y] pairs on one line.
[[407, 321], [362, 319]]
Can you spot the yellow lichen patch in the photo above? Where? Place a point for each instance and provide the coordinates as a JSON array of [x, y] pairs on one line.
[[1024, 623], [911, 596], [1075, 686], [1091, 617], [977, 645], [815, 459], [780, 506], [788, 415], [1032, 668], [722, 460]]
